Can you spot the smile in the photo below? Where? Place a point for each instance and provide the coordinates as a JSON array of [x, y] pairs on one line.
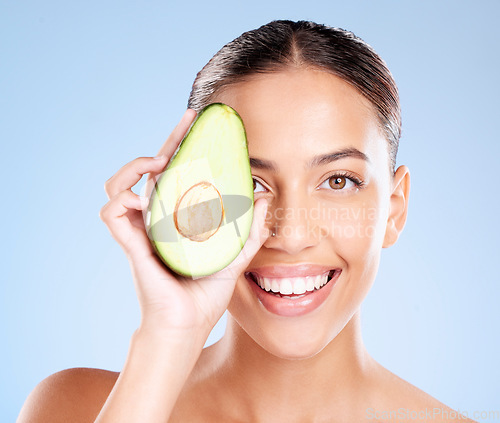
[[290, 292], [292, 287]]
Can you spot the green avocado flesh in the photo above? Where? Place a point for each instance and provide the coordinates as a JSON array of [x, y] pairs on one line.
[[201, 208]]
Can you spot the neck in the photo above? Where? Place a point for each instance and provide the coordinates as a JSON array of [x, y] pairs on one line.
[[265, 388]]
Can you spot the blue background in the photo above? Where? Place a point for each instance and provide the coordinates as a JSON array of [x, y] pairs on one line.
[[88, 86]]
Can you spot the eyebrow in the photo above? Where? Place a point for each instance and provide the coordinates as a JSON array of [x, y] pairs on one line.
[[316, 161]]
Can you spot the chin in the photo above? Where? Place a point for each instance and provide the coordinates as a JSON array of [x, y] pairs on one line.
[[295, 351], [294, 343]]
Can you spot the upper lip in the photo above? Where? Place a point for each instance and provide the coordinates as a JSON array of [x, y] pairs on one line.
[[298, 270]]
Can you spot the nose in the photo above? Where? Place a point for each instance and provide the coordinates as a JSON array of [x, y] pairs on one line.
[[291, 223]]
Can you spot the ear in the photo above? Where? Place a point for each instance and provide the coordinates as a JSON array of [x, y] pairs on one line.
[[398, 206]]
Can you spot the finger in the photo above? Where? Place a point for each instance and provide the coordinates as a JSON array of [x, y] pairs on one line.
[[170, 146], [132, 173], [176, 136], [113, 214], [258, 235]]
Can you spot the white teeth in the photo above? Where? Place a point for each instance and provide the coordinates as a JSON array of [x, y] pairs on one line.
[[299, 287], [285, 286], [275, 286], [317, 282], [267, 285], [310, 283], [288, 286]]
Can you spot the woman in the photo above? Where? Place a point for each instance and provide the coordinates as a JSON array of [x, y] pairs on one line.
[[322, 116]]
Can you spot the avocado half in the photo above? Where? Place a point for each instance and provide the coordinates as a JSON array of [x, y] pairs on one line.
[[201, 208]]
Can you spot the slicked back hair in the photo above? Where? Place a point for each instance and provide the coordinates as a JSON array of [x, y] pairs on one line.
[[282, 44]]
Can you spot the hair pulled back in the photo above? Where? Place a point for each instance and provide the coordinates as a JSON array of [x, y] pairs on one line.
[[282, 43]]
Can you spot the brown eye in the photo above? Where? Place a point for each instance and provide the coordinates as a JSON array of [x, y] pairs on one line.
[[256, 185], [337, 182]]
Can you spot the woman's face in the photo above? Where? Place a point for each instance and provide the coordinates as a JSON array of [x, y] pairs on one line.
[[327, 214]]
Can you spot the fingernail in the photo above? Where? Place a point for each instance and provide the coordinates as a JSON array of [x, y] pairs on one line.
[[160, 157]]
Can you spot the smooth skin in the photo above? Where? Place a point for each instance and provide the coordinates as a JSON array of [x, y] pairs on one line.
[[266, 368]]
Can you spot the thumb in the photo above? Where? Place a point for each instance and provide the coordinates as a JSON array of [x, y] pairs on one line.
[[258, 235]]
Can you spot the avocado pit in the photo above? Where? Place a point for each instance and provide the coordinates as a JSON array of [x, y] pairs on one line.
[[199, 212]]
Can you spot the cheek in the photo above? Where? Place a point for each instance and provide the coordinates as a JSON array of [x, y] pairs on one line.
[[356, 230]]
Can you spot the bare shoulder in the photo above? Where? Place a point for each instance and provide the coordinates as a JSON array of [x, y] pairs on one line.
[[75, 395], [406, 401]]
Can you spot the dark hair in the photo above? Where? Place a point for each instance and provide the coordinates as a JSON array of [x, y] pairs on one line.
[[281, 44]]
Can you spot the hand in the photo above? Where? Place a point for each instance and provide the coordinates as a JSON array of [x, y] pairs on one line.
[[169, 302]]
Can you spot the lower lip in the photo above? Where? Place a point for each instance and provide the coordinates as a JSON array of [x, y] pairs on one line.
[[290, 307]]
